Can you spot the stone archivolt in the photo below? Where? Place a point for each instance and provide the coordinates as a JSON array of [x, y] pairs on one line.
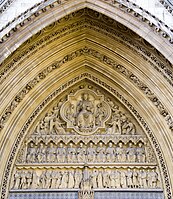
[[65, 132], [86, 141]]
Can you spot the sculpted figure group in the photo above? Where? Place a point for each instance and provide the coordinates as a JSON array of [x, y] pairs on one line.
[[82, 153], [86, 179], [52, 123], [85, 113]]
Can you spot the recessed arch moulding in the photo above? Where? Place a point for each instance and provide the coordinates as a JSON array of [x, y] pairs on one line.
[[90, 53]]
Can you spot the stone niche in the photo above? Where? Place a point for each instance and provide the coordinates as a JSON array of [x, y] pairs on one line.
[[86, 144]]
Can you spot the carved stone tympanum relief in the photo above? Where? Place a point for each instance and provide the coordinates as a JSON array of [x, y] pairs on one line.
[[86, 140], [85, 112]]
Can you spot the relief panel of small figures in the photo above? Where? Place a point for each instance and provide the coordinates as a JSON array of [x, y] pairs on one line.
[[86, 127], [87, 153], [84, 112], [87, 178]]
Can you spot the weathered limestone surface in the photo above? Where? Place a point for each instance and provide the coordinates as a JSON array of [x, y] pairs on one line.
[[86, 103]]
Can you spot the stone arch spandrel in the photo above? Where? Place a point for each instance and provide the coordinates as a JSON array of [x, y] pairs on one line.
[[108, 87]]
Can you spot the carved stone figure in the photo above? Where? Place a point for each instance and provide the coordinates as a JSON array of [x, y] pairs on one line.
[[128, 128], [52, 123], [120, 153], [17, 179], [129, 175], [71, 181], [112, 180], [100, 180], [43, 180], [91, 153], [71, 153], [85, 112], [135, 179], [48, 122], [131, 153], [35, 181], [110, 102], [64, 181], [61, 153], [106, 179], [94, 175], [152, 178], [101, 157], [41, 128], [31, 153], [70, 113], [117, 177], [56, 111], [29, 179], [110, 153], [59, 179], [48, 175], [142, 178], [86, 183], [51, 153], [54, 178], [115, 124], [123, 179], [41, 153], [140, 153], [57, 125], [78, 178], [81, 153], [23, 182], [100, 114]]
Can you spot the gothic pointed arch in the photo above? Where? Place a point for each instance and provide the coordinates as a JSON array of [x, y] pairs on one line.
[[86, 81], [84, 130]]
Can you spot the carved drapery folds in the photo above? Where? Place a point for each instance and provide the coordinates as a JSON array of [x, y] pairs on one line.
[[86, 178], [86, 153], [86, 141], [85, 112]]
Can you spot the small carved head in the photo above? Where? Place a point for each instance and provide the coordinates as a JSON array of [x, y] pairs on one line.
[[140, 144], [32, 144], [110, 144], [51, 144], [120, 144], [91, 144], [61, 144], [100, 144], [81, 144], [85, 96], [130, 144], [71, 144]]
